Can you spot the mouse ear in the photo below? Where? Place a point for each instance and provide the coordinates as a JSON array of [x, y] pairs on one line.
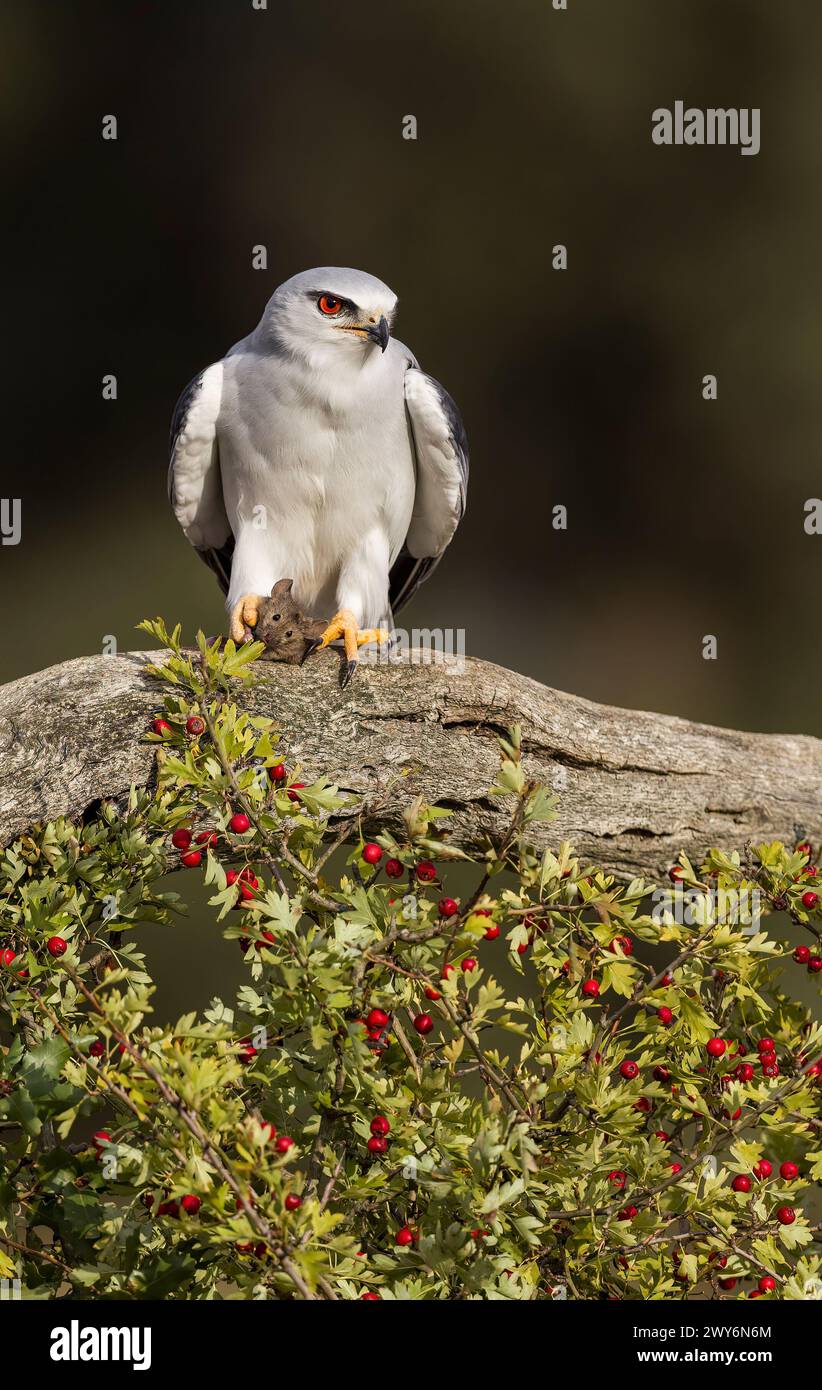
[[282, 587]]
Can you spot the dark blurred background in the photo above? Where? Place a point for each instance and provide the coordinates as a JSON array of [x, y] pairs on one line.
[[583, 387]]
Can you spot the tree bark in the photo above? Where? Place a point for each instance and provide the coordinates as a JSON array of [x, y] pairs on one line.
[[634, 788]]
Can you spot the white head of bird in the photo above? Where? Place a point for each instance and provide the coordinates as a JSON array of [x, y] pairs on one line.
[[330, 316]]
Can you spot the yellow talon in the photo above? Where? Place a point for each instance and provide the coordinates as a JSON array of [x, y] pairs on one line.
[[344, 625], [244, 615]]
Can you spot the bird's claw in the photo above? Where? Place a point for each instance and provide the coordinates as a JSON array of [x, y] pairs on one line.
[[344, 625], [310, 648], [244, 618]]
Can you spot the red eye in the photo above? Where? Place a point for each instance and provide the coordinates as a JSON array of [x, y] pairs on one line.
[[327, 304]]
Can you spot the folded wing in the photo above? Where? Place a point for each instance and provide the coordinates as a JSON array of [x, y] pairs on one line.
[[195, 486], [441, 450]]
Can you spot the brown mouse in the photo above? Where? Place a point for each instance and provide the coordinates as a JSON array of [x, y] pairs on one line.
[[287, 632]]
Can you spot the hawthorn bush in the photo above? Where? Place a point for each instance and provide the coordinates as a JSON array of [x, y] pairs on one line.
[[375, 1116]]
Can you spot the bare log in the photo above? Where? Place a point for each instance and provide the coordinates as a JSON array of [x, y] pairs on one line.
[[635, 788]]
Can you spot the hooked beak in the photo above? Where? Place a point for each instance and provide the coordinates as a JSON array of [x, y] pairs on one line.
[[379, 333]]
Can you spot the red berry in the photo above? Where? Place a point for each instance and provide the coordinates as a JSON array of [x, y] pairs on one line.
[[767, 1284], [404, 1236], [269, 1130], [161, 727], [431, 993], [190, 1204], [208, 838], [629, 1070], [727, 1284], [809, 901], [294, 790], [741, 1183], [661, 1074], [644, 1105], [802, 955], [815, 965], [623, 943], [169, 1209], [522, 948], [370, 1297], [293, 1202], [7, 955], [277, 772], [663, 1135], [283, 1144], [763, 1169], [181, 839], [766, 1045], [56, 946], [239, 823], [247, 1050], [492, 933], [447, 907], [97, 1048], [423, 1023], [617, 1177], [377, 1019], [715, 1047], [377, 1144], [192, 858], [770, 1066], [426, 871], [628, 1213], [380, 1125], [100, 1138], [744, 1072], [195, 726], [665, 1016], [591, 988], [372, 854], [469, 964], [788, 1171], [675, 1167], [393, 869], [676, 873], [785, 1216]]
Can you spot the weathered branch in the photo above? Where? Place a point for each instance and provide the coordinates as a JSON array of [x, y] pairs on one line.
[[635, 788]]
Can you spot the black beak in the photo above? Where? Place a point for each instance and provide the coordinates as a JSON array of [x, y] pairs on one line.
[[379, 333]]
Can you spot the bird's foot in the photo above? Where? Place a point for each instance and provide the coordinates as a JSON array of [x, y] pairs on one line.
[[344, 625], [244, 618]]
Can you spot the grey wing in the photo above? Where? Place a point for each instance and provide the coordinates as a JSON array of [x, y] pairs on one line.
[[195, 486], [441, 451]]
